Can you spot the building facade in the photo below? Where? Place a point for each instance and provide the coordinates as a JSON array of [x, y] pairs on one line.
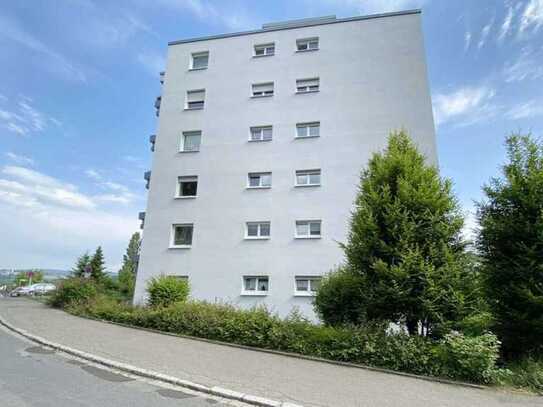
[[261, 139]]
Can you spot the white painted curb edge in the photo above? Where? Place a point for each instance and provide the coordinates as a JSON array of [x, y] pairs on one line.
[[150, 374]]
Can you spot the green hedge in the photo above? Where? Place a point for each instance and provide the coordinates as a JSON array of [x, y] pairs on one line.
[[167, 290], [456, 357]]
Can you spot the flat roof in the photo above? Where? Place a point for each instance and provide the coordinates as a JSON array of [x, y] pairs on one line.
[[293, 24]]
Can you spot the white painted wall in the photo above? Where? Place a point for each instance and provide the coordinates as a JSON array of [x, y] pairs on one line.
[[372, 80]]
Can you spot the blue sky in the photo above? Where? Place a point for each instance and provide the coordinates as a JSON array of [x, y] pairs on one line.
[[80, 78]]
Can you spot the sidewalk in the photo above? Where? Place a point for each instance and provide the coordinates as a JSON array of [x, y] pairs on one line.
[[282, 378]]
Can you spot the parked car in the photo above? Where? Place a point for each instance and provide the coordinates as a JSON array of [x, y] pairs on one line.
[[42, 288], [17, 292]]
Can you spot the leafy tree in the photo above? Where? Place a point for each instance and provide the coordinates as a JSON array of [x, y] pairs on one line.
[[340, 298], [23, 278], [97, 263], [82, 262], [405, 243], [127, 273], [510, 242]]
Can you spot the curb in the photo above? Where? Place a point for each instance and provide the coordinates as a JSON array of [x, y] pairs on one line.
[[150, 374], [292, 355]]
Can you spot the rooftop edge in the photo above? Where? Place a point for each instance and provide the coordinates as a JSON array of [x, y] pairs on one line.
[[278, 26]]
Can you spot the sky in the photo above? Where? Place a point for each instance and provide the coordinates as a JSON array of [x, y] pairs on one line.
[[80, 78]]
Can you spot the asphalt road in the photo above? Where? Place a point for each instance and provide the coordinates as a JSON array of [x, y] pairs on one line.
[[33, 376]]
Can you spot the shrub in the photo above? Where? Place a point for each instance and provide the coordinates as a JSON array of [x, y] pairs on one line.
[[526, 373], [73, 291], [340, 298], [469, 358], [167, 290], [457, 357]]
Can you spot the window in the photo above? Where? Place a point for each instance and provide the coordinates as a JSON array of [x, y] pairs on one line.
[[259, 180], [195, 99], [307, 44], [190, 141], [308, 229], [263, 50], [261, 133], [187, 187], [255, 285], [308, 178], [257, 230], [304, 130], [307, 85], [307, 285], [182, 235], [199, 60], [262, 89]]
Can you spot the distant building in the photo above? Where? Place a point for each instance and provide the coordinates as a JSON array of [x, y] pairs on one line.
[[261, 139]]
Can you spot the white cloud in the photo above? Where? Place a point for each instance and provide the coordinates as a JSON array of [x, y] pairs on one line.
[[506, 26], [529, 109], [20, 159], [152, 62], [93, 174], [484, 34], [467, 40], [50, 222], [233, 18], [29, 187], [532, 17], [527, 66], [467, 105], [26, 120], [378, 6], [53, 60]]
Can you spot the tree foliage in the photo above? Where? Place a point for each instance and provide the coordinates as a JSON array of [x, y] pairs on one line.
[[511, 246], [97, 264], [127, 273], [83, 262], [405, 243], [23, 278]]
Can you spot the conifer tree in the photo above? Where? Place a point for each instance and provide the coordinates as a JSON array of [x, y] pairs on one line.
[[97, 264], [127, 273], [511, 246], [405, 243], [82, 262]]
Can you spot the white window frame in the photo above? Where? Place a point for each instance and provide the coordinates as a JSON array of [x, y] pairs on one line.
[[266, 47], [256, 291], [308, 222], [262, 94], [259, 235], [260, 130], [182, 141], [188, 101], [307, 44], [260, 184], [308, 174], [172, 237], [309, 292], [197, 55], [305, 85], [307, 129], [186, 178]]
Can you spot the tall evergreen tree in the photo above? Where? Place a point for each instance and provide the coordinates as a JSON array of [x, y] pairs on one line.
[[97, 263], [82, 262], [511, 246], [127, 273], [405, 242]]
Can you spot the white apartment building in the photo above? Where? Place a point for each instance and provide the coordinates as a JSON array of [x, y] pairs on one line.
[[261, 139]]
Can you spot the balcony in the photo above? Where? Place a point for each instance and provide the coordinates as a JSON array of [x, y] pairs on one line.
[[158, 101], [141, 216], [152, 140], [147, 177]]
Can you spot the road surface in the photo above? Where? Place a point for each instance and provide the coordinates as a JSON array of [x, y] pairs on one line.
[[33, 376]]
